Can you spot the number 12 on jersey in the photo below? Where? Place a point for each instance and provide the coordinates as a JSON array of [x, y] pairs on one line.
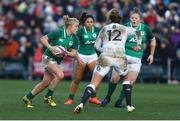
[[114, 35]]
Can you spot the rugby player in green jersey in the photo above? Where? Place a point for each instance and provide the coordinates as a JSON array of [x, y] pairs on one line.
[[65, 37], [134, 55], [86, 55]]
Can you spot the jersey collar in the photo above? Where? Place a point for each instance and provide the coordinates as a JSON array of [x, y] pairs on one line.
[[86, 29], [65, 32], [138, 27]]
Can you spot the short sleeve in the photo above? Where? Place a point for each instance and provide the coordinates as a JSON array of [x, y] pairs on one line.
[[150, 34], [53, 35], [76, 42]]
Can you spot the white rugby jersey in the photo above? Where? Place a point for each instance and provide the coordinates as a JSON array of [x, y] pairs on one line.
[[112, 38]]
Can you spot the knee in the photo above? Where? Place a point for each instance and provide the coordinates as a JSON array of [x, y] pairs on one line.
[[115, 79], [45, 83], [76, 82], [133, 81], [60, 76]]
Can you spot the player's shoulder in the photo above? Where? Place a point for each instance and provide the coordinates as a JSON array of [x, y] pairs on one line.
[[127, 24], [81, 29], [57, 32], [113, 25], [97, 28], [144, 25], [60, 30]]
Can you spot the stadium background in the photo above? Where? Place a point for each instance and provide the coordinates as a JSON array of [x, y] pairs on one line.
[[23, 22]]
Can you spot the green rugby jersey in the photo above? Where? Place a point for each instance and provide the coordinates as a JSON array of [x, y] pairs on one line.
[[146, 34], [60, 37], [87, 40]]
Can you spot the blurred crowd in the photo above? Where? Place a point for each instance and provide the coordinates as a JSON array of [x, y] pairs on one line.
[[23, 22]]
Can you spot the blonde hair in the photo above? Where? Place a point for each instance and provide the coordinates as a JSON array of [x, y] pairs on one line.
[[69, 21], [113, 16]]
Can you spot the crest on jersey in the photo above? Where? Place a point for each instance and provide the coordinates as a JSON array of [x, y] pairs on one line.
[[94, 35], [70, 43], [142, 33]]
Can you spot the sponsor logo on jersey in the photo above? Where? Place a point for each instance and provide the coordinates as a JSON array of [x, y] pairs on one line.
[[85, 36], [142, 33], [89, 42], [133, 40]]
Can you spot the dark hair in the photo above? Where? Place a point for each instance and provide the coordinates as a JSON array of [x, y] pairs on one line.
[[137, 11], [84, 17], [114, 16]]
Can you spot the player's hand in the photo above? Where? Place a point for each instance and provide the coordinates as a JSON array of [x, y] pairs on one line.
[[79, 60], [53, 49], [136, 48], [150, 59]]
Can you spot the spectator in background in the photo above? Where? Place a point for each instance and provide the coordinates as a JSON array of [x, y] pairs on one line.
[[49, 25], [11, 50], [167, 51], [175, 37], [26, 51], [151, 17], [175, 40], [2, 46]]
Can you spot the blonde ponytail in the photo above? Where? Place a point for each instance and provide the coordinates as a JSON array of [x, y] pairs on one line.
[[68, 21]]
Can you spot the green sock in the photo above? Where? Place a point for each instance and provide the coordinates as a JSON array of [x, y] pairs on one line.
[[71, 96], [30, 96], [49, 93], [93, 95], [111, 88], [121, 96]]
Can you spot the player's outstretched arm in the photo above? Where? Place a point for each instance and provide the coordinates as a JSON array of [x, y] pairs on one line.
[[152, 50]]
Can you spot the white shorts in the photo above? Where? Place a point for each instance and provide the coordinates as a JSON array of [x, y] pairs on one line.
[[46, 59], [105, 63], [134, 64], [88, 58]]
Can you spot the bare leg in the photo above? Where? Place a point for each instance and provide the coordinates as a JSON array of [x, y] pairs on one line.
[[80, 67], [58, 74], [42, 85]]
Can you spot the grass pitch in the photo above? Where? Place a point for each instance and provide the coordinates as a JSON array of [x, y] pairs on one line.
[[152, 102]]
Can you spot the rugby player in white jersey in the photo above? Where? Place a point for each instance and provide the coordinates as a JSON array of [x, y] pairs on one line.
[[111, 44]]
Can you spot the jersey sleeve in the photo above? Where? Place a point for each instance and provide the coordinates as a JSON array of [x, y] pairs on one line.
[[98, 30], [79, 34], [150, 34], [131, 31], [53, 35], [76, 42], [99, 40]]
